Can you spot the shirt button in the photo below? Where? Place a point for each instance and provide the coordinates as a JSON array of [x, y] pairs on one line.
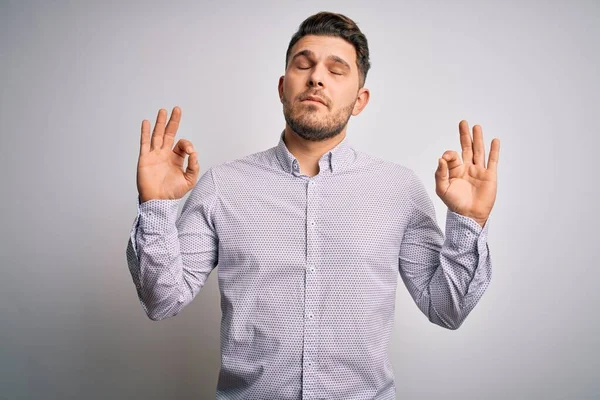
[[312, 223], [312, 269], [310, 316], [313, 183]]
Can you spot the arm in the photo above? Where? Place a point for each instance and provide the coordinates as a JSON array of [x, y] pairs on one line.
[[170, 258], [446, 276]]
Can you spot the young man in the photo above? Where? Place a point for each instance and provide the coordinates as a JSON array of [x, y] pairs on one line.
[[311, 234]]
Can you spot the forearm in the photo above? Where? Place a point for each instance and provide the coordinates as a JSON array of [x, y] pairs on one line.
[[155, 261], [463, 274]]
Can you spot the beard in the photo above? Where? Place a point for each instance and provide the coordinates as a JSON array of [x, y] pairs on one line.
[[306, 120]]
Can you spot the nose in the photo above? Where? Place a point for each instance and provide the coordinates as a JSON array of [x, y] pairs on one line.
[[316, 77], [315, 82]]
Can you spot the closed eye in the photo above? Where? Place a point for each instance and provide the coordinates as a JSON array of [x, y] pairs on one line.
[[333, 72]]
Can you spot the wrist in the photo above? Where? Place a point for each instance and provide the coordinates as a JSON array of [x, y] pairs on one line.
[[479, 220]]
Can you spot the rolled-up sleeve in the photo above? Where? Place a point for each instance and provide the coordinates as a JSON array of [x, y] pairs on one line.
[[446, 275], [170, 257]]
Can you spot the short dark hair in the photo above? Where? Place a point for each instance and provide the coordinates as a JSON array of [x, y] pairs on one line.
[[338, 25]]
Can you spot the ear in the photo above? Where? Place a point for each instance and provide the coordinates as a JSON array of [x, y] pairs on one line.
[[361, 101], [280, 88]]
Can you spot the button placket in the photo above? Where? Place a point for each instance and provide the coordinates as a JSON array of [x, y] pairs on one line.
[[312, 288]]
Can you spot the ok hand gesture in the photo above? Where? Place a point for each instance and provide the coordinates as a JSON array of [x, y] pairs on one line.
[[160, 173], [468, 187]]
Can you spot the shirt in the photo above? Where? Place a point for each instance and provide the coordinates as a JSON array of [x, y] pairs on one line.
[[308, 268]]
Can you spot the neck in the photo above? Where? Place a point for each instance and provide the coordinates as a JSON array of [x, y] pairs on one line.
[[307, 152]]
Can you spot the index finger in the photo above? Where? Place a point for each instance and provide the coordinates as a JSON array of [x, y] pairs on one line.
[[171, 129], [466, 142], [145, 137]]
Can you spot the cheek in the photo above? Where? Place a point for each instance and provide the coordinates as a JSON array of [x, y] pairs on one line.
[[293, 85], [290, 90], [349, 98]]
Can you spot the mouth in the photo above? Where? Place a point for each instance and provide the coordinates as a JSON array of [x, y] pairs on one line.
[[314, 99]]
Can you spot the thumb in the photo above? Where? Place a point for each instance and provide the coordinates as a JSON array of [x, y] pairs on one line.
[[193, 168], [442, 180]]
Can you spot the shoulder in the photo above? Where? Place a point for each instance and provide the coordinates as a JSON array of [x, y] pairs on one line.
[[395, 170]]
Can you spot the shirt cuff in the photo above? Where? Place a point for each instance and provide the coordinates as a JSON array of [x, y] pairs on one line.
[[464, 232], [157, 216]]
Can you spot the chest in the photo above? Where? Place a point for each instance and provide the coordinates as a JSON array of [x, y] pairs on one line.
[[272, 224]]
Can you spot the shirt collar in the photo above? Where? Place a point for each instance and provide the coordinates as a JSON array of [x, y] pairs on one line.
[[335, 160]]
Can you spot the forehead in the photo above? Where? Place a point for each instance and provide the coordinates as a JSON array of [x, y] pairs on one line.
[[325, 46]]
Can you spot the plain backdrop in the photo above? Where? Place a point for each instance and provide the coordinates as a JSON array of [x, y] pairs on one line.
[[79, 77]]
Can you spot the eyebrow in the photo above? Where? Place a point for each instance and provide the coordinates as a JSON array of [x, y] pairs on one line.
[[309, 54]]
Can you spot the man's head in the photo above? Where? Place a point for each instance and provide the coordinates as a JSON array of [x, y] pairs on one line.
[[328, 60]]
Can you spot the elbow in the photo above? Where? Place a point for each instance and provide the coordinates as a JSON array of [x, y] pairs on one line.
[[154, 316], [446, 325], [154, 312], [446, 322], [160, 313], [151, 313], [452, 326], [163, 310]]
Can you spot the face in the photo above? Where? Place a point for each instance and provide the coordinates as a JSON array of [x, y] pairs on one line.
[[325, 69]]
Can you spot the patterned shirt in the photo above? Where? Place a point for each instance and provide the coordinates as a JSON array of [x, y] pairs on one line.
[[308, 268]]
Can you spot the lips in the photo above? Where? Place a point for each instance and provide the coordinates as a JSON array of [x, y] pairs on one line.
[[315, 98]]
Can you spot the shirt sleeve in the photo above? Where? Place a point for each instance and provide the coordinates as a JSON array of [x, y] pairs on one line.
[[170, 258], [446, 276]]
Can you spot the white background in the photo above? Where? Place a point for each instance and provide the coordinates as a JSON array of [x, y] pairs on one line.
[[78, 78]]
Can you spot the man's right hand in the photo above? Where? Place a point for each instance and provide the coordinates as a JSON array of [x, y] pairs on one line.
[[160, 173]]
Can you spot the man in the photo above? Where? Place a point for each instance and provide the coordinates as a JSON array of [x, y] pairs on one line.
[[310, 235]]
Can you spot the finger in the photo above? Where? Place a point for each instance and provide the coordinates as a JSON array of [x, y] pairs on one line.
[[183, 147], [159, 129], [465, 142], [193, 168], [145, 137], [453, 163], [171, 129], [494, 155], [441, 177], [478, 147]]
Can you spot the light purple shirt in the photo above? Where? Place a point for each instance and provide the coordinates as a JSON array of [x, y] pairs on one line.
[[308, 268]]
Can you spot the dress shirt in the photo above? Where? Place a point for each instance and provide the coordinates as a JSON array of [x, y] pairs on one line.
[[308, 268]]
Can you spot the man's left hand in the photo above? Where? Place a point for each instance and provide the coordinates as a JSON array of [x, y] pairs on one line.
[[468, 187]]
